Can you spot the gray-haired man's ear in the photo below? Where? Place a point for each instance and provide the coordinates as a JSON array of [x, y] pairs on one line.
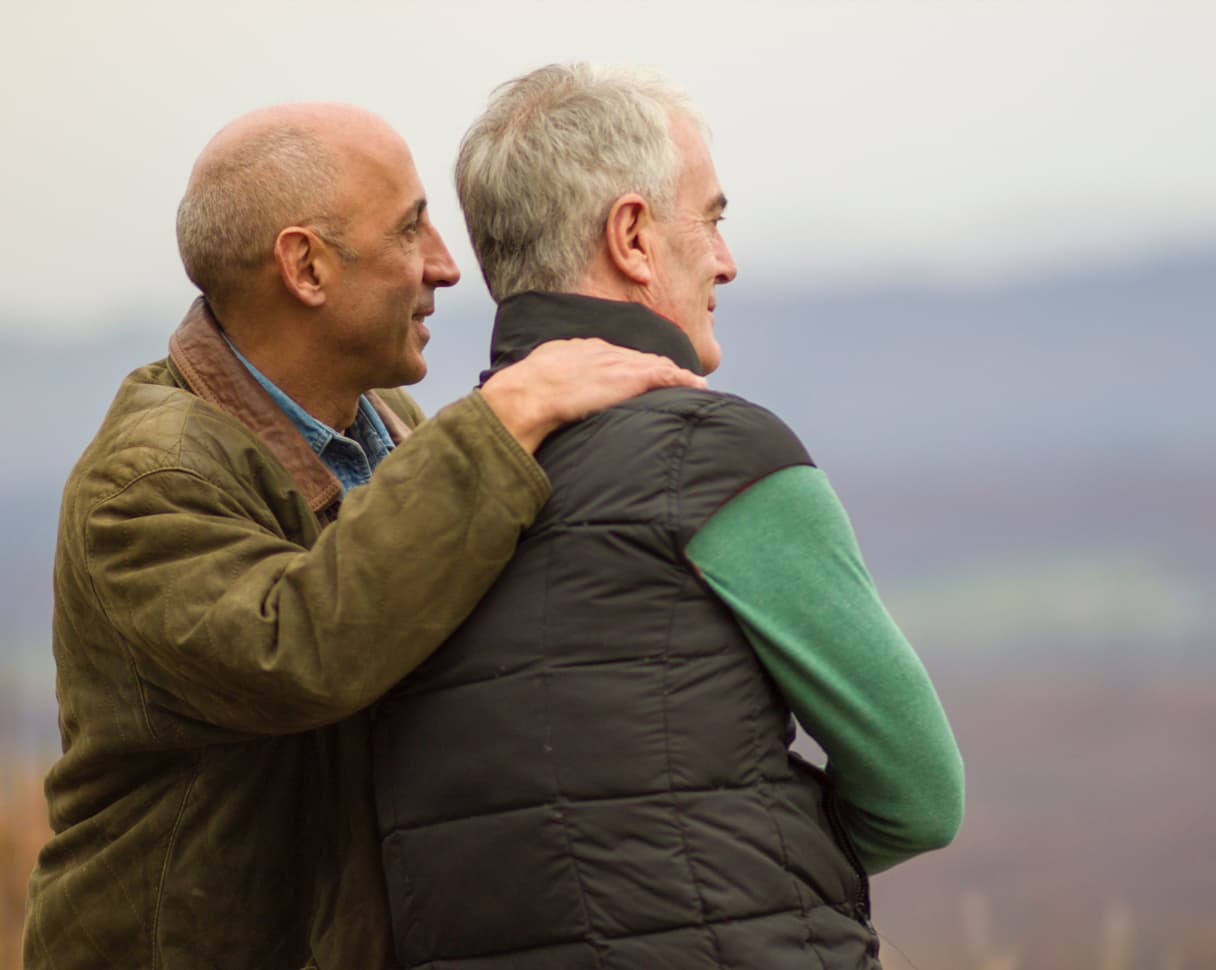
[[629, 238]]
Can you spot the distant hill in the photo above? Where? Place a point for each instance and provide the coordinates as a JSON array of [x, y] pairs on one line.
[[1015, 434], [1104, 359]]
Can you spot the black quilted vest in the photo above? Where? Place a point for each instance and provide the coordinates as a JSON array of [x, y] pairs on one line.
[[593, 773]]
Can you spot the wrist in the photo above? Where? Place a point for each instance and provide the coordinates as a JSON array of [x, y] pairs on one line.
[[527, 416]]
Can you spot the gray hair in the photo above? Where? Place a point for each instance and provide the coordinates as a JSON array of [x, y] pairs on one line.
[[238, 202], [539, 171]]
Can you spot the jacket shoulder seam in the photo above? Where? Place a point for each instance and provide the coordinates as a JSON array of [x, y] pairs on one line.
[[99, 600]]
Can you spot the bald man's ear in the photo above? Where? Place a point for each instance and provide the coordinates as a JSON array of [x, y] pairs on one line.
[[629, 238], [302, 259]]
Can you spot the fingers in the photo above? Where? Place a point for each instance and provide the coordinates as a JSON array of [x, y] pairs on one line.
[[595, 375], [637, 368], [564, 380], [670, 374]]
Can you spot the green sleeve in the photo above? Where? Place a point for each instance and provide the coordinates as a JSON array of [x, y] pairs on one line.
[[783, 557]]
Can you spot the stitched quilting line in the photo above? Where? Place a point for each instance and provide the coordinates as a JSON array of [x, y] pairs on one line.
[[548, 747], [704, 922], [677, 793], [597, 939], [672, 487]]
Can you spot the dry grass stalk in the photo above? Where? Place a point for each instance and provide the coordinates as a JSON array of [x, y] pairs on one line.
[[1116, 938], [23, 830], [982, 952]]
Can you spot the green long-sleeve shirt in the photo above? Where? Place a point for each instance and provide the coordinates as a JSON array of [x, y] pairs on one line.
[[783, 557]]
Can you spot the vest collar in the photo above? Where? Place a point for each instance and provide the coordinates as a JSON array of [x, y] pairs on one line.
[[204, 362], [526, 320]]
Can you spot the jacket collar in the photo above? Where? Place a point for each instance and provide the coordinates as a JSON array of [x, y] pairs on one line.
[[526, 320], [204, 362]]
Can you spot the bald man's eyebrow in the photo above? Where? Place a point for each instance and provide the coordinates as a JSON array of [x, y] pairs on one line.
[[717, 206], [413, 217]]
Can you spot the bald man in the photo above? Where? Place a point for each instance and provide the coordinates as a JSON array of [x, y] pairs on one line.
[[258, 544]]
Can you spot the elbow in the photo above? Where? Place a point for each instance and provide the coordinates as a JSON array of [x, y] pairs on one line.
[[943, 814], [924, 821], [943, 826], [933, 813], [932, 824]]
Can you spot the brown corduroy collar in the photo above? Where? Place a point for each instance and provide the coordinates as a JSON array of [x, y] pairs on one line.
[[206, 364]]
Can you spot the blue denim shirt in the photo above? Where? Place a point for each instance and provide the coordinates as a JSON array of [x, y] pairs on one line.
[[352, 456]]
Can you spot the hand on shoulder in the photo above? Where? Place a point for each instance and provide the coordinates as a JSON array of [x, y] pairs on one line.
[[565, 380]]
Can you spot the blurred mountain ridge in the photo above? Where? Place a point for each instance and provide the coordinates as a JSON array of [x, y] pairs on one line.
[[1031, 460]]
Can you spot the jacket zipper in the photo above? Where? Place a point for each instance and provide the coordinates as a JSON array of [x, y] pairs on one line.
[[862, 899]]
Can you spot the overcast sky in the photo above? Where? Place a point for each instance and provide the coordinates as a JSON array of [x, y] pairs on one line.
[[950, 139]]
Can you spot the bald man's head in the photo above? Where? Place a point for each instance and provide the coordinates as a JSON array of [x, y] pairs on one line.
[[272, 168]]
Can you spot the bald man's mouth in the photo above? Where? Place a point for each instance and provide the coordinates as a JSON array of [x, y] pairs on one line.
[[421, 330]]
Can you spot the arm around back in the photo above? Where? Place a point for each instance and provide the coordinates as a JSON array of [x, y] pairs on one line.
[[235, 612]]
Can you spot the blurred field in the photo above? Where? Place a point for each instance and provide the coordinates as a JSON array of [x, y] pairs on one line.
[[23, 829], [1088, 838]]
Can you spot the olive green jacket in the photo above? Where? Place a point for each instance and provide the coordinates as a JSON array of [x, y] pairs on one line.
[[220, 632]]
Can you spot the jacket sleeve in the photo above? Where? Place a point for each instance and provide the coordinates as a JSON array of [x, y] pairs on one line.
[[783, 557], [230, 622]]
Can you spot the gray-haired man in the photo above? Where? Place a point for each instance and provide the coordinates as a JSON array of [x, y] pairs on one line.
[[594, 772]]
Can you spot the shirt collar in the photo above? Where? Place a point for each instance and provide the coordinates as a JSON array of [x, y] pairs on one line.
[[367, 432]]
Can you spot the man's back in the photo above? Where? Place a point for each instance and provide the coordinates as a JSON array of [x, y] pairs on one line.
[[594, 770]]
